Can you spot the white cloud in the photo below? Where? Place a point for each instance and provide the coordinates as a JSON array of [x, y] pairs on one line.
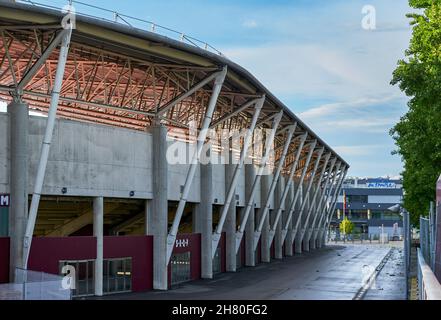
[[359, 150], [251, 24], [333, 108]]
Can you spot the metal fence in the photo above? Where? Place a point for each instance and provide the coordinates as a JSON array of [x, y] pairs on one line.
[[86, 9], [362, 238], [428, 237], [33, 285], [428, 286]]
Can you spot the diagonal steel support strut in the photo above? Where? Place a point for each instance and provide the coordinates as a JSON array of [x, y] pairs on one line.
[[288, 185], [297, 194], [171, 237], [274, 181], [234, 180], [39, 180], [316, 191], [257, 178], [324, 197], [39, 63], [308, 189]]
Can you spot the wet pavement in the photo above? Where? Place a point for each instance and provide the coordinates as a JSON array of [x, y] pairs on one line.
[[390, 282], [336, 272]]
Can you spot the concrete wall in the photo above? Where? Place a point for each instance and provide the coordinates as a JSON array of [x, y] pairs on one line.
[[92, 160], [4, 153], [98, 160]]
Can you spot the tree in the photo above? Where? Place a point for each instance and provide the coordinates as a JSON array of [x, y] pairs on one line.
[[346, 226], [418, 133]]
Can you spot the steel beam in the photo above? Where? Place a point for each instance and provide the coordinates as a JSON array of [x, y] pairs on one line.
[[323, 201], [256, 182], [327, 197], [318, 209], [64, 50], [232, 114], [331, 206], [219, 80], [39, 63], [234, 180], [334, 202], [288, 185], [193, 89], [297, 194], [266, 208], [308, 189], [314, 197]]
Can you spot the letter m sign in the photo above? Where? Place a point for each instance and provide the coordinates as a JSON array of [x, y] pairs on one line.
[[4, 200]]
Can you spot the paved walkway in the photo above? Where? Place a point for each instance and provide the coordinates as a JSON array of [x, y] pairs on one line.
[[390, 282], [333, 272]]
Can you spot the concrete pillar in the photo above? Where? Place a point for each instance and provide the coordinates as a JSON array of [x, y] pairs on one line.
[[98, 222], [264, 238], [230, 221], [309, 204], [278, 245], [288, 238], [250, 253], [147, 212], [157, 220], [18, 209], [297, 213], [203, 220]]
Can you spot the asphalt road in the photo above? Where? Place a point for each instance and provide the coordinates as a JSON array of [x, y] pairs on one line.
[[336, 272], [390, 282]]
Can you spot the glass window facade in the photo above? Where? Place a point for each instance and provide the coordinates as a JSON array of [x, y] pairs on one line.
[[117, 275], [4, 221], [180, 268], [217, 261], [357, 198], [84, 276]]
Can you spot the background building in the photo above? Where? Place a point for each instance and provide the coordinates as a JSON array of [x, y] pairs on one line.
[[367, 203]]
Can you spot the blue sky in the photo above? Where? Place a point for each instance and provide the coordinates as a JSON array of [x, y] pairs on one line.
[[314, 55]]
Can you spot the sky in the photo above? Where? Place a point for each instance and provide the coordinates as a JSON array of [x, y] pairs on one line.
[[313, 55]]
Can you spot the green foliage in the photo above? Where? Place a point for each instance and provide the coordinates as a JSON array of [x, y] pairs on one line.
[[418, 134], [346, 226]]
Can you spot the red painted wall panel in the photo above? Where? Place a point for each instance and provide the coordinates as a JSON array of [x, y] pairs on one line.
[[140, 249], [4, 260], [47, 251]]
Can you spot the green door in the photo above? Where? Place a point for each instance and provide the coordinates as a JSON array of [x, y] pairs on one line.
[[4, 221]]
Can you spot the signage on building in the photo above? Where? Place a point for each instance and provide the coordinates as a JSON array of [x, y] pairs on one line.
[[4, 200], [381, 185], [181, 243]]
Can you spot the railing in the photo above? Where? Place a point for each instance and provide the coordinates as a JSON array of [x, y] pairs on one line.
[[86, 10], [33, 285], [363, 237], [428, 286]]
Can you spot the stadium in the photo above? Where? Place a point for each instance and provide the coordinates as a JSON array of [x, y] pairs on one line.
[[94, 105]]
